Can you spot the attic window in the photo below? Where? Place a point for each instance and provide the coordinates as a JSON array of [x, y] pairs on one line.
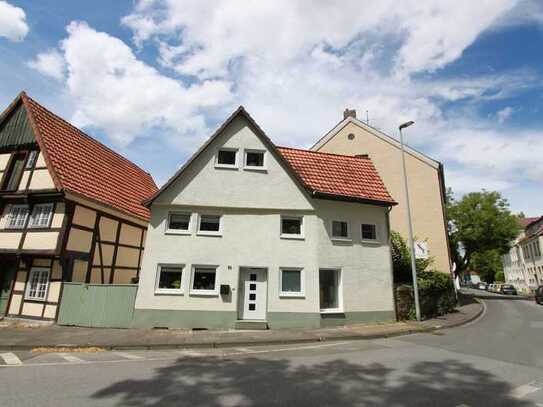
[[31, 160], [227, 157], [254, 159]]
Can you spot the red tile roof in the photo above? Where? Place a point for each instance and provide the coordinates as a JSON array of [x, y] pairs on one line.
[[82, 165], [338, 176], [524, 222]]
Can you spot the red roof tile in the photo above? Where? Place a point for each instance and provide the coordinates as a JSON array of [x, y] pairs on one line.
[[86, 167], [337, 175], [524, 222]]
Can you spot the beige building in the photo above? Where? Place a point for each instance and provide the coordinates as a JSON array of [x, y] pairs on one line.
[[70, 211], [427, 191]]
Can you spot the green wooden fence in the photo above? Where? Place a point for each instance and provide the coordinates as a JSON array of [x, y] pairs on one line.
[[97, 305]]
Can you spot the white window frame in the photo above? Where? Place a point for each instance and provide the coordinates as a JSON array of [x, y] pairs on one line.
[[9, 217], [252, 167], [342, 238], [210, 293], [296, 294], [169, 231], [374, 241], [28, 289], [31, 159], [234, 166], [169, 291], [34, 217], [300, 236], [208, 232], [339, 308]]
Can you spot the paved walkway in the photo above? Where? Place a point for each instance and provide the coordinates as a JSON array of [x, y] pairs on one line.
[[20, 337]]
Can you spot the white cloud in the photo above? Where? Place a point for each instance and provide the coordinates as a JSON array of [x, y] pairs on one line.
[[13, 24], [504, 114], [115, 91], [50, 63]]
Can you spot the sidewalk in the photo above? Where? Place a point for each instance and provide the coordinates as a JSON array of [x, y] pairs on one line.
[[20, 337]]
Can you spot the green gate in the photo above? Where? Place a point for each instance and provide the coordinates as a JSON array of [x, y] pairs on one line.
[[97, 305]]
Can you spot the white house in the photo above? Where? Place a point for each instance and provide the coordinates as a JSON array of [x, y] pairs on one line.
[[523, 265], [250, 232]]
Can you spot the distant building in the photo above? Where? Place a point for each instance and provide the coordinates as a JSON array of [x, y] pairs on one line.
[[523, 265]]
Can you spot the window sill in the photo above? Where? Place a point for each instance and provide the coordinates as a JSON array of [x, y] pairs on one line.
[[258, 169], [215, 234], [177, 232], [342, 239], [226, 167], [291, 295], [372, 242], [332, 311], [34, 299], [204, 293], [166, 292], [292, 237]]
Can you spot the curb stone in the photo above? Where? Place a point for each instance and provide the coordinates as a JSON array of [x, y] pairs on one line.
[[414, 329]]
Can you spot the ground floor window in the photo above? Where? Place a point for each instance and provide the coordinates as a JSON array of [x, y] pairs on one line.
[[329, 290], [204, 280], [169, 279], [38, 281], [291, 282]]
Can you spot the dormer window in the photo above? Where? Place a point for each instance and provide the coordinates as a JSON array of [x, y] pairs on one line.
[[227, 158], [254, 160]]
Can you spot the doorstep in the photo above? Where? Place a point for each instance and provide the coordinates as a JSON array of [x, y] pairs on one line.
[[251, 325]]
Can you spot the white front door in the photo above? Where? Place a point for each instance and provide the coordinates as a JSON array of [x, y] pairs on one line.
[[254, 289]]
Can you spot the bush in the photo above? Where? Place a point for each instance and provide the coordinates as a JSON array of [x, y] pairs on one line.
[[436, 296]]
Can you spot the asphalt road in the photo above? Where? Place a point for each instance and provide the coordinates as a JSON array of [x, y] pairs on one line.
[[496, 360]]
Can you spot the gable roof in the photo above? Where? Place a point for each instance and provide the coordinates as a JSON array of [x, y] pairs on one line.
[[525, 222], [339, 176], [379, 134], [333, 177], [85, 167]]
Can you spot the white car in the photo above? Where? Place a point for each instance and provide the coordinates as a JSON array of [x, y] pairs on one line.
[[482, 286]]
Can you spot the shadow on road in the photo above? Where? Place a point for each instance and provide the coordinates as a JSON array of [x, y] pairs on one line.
[[260, 382]]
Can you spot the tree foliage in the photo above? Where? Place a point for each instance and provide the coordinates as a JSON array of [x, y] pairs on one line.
[[480, 223], [488, 264], [401, 260]]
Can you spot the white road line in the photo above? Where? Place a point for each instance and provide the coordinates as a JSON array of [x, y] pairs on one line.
[[128, 355], [522, 391], [70, 358], [11, 359]]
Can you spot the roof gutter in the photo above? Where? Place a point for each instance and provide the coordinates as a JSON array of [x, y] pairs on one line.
[[346, 198]]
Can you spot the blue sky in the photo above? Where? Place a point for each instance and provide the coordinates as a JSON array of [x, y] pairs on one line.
[[153, 79]]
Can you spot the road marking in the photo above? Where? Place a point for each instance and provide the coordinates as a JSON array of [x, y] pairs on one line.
[[522, 391], [70, 358], [129, 355], [11, 359]]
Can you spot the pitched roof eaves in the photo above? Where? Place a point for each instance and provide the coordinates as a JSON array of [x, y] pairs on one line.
[[385, 137]]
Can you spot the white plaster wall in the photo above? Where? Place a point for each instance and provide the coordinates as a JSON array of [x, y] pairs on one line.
[[249, 239], [366, 268], [204, 185]]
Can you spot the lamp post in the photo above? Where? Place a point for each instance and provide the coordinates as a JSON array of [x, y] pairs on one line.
[[410, 224]]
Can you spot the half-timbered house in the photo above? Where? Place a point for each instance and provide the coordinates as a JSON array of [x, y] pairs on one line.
[[71, 211]]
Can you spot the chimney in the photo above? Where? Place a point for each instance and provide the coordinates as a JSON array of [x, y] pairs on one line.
[[362, 156], [349, 113]]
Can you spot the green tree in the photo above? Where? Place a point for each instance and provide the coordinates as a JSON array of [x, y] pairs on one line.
[[478, 223], [401, 261], [489, 265]]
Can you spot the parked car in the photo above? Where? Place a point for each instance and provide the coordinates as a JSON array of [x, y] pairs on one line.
[[482, 286], [499, 288], [508, 289], [539, 294], [492, 288]]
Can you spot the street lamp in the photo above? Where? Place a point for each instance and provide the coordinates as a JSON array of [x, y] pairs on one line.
[[411, 243]]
